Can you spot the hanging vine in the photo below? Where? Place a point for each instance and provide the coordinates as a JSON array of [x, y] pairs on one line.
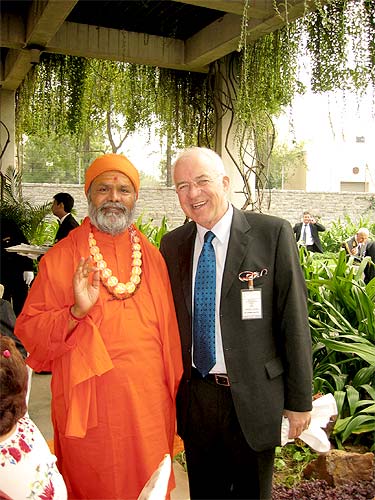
[[67, 94]]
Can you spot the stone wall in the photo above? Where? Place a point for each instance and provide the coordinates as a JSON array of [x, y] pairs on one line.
[[156, 202]]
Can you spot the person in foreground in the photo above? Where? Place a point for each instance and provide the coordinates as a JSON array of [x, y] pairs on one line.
[[246, 347], [27, 467], [103, 309]]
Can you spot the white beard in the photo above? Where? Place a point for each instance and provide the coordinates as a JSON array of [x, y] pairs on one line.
[[109, 221]]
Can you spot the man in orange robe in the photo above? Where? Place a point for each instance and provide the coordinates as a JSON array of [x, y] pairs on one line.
[[100, 316]]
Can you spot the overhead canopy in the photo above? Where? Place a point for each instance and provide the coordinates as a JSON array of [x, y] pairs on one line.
[[180, 34]]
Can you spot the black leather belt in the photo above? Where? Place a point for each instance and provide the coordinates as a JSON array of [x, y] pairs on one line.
[[217, 378]]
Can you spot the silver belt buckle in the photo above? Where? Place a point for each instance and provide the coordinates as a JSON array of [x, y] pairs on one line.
[[222, 380]]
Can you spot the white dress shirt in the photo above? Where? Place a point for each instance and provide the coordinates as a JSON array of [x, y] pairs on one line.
[[220, 244]]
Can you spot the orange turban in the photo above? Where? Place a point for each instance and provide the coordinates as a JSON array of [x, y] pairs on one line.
[[112, 162]]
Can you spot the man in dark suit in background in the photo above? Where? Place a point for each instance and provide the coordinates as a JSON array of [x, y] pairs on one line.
[[307, 233], [370, 268], [61, 207], [229, 410]]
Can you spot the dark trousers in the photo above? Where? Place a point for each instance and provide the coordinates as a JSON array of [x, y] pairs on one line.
[[220, 463], [313, 248], [15, 291]]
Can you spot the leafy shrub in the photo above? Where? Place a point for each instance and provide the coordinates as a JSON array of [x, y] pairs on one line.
[[342, 323]]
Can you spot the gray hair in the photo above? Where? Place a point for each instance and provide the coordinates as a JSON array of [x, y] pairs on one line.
[[363, 230], [208, 153]]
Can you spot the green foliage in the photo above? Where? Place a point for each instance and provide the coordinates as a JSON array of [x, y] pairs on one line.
[[57, 159], [27, 216], [181, 459], [342, 322], [290, 461], [343, 229], [268, 69], [338, 38], [338, 46], [78, 96], [70, 95], [153, 232]]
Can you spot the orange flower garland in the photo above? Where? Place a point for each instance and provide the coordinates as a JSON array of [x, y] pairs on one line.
[[119, 290]]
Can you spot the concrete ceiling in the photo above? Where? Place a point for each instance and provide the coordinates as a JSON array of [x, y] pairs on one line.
[[180, 34]]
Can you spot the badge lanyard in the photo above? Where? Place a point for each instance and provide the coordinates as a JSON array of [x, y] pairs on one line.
[[251, 298]]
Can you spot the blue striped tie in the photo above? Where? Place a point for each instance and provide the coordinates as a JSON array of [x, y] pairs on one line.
[[204, 308]]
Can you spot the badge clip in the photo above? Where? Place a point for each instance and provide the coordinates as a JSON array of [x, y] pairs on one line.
[[250, 276]]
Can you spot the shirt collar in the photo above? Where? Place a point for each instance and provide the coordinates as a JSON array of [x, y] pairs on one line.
[[63, 218], [221, 229]]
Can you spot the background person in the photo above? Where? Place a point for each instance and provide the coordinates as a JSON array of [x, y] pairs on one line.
[[110, 338], [61, 207], [27, 467], [370, 268], [16, 271], [247, 362], [307, 233], [356, 245]]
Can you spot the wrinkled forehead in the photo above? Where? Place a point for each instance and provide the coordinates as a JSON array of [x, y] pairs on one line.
[[112, 177], [362, 236], [195, 166]]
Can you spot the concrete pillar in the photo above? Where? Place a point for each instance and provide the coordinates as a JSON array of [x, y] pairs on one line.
[[7, 117], [227, 144]]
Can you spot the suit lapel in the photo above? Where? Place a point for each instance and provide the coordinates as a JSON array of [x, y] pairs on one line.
[[239, 241]]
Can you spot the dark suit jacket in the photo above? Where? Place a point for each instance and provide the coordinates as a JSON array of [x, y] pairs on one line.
[[65, 227], [370, 268], [352, 243], [268, 360], [314, 228]]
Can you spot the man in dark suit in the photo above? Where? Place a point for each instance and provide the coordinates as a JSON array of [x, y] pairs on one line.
[[370, 268], [260, 367], [61, 207], [357, 244], [307, 233]]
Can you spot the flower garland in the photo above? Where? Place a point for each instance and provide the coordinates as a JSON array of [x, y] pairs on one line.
[[120, 291]]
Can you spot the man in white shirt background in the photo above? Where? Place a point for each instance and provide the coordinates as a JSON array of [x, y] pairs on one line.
[[307, 233]]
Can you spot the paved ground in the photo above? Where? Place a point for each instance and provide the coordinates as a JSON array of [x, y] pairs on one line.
[[39, 410]]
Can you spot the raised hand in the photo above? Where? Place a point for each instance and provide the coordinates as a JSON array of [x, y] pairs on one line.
[[86, 285]]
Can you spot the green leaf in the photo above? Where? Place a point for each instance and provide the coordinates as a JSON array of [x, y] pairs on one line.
[[357, 425], [352, 396], [367, 353]]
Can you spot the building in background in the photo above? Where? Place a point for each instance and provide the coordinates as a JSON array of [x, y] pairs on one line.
[[338, 132]]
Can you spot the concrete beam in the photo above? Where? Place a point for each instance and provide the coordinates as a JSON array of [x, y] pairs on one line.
[[258, 9], [213, 42], [105, 43], [45, 18], [27, 37], [16, 66]]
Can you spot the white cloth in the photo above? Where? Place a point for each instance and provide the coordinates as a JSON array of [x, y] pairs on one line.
[[28, 277], [27, 466], [323, 409], [157, 486]]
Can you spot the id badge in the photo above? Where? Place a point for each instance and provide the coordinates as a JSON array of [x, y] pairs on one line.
[[251, 303]]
